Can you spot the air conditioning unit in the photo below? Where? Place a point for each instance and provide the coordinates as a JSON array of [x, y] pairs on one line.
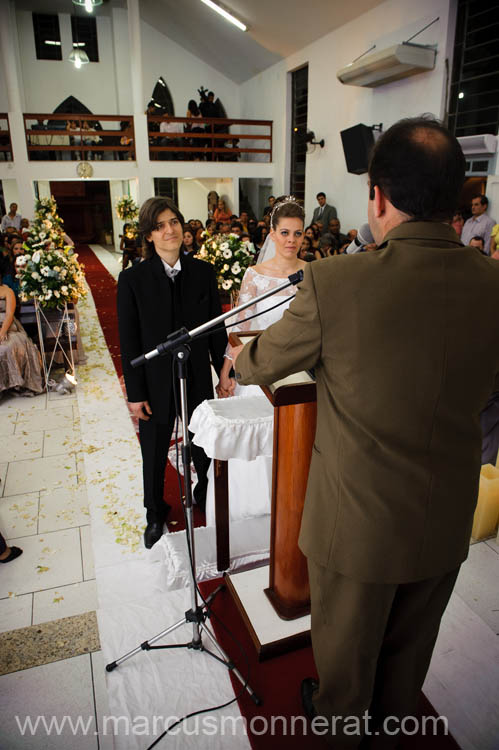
[[478, 145], [388, 65]]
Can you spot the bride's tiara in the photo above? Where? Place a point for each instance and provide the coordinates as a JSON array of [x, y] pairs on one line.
[[281, 203]]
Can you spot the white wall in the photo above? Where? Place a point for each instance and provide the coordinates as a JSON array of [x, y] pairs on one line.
[[105, 87], [333, 107], [11, 195], [193, 196], [48, 82], [184, 73]]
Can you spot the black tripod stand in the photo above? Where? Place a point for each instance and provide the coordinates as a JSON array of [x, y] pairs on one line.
[[197, 614]]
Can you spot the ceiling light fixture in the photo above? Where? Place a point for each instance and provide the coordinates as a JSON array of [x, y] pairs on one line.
[[89, 5], [225, 13], [78, 57]]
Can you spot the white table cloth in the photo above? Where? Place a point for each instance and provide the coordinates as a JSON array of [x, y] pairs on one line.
[[237, 427], [238, 430]]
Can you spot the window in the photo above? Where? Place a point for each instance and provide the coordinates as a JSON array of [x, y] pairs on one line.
[[84, 31], [47, 36], [474, 93], [166, 187], [299, 110]]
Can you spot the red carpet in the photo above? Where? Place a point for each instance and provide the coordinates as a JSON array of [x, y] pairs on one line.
[[103, 287], [276, 681]]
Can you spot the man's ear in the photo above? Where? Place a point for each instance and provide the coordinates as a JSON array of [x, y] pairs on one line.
[[379, 201]]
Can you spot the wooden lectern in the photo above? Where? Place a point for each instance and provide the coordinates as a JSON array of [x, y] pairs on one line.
[[295, 413], [295, 416]]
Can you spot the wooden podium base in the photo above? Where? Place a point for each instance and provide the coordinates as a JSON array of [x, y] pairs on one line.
[[270, 634]]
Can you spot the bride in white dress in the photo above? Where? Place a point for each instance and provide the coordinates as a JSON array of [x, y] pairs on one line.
[[250, 481]]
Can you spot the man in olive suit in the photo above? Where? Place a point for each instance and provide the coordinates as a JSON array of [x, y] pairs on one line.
[[402, 377]]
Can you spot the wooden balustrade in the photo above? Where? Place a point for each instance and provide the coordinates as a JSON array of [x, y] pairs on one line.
[[51, 137], [81, 137], [207, 138], [5, 142]]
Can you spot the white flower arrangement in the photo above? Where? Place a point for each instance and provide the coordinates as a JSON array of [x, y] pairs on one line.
[[126, 208], [53, 277], [230, 258]]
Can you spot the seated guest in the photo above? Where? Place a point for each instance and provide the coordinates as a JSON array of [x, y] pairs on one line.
[[457, 223], [478, 243], [12, 219], [171, 128], [334, 229], [313, 234], [190, 244], [494, 241], [268, 209], [243, 220], [7, 554], [200, 236], [130, 246], [479, 224], [236, 228], [20, 366], [194, 114], [306, 251], [210, 226], [24, 229], [351, 234], [221, 213], [246, 240], [10, 270], [259, 237], [225, 227], [327, 246]]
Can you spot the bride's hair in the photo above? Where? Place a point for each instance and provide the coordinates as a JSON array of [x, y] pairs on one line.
[[285, 207]]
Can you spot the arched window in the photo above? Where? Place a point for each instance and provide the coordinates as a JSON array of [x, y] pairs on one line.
[[162, 99]]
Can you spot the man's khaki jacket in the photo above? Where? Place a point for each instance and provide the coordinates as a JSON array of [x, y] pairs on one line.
[[405, 345]]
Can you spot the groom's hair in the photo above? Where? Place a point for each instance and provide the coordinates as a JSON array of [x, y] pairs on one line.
[[148, 219]]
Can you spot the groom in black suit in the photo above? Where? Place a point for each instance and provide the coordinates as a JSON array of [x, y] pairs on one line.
[[164, 292]]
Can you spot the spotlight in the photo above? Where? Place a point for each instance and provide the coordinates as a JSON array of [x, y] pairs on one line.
[[67, 384]]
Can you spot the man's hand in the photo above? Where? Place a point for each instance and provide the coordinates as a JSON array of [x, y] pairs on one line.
[[140, 409]]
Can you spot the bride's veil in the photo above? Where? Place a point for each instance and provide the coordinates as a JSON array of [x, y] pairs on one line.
[[268, 250]]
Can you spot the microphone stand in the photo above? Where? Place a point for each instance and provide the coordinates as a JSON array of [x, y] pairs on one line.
[[198, 614]]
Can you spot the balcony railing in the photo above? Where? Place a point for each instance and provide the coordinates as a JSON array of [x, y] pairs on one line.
[[65, 137], [210, 139], [5, 143], [51, 137]]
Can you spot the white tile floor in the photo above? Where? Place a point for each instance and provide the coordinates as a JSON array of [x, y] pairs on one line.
[[44, 508]]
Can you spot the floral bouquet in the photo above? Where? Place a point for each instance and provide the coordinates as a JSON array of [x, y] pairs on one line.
[[47, 227], [126, 208], [229, 257], [132, 230], [52, 276]]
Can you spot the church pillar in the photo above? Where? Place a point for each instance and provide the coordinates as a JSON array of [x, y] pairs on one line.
[[145, 187], [8, 35]]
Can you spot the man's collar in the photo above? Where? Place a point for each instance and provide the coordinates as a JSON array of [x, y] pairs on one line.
[[423, 230]]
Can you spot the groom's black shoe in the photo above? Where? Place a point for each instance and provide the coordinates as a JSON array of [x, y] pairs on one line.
[[153, 533], [308, 688]]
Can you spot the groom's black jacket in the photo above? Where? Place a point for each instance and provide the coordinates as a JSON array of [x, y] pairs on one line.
[[150, 307]]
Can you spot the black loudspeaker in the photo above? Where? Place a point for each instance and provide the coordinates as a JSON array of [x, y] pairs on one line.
[[357, 144]]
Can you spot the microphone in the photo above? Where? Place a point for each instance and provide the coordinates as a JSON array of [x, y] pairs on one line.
[[364, 237]]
